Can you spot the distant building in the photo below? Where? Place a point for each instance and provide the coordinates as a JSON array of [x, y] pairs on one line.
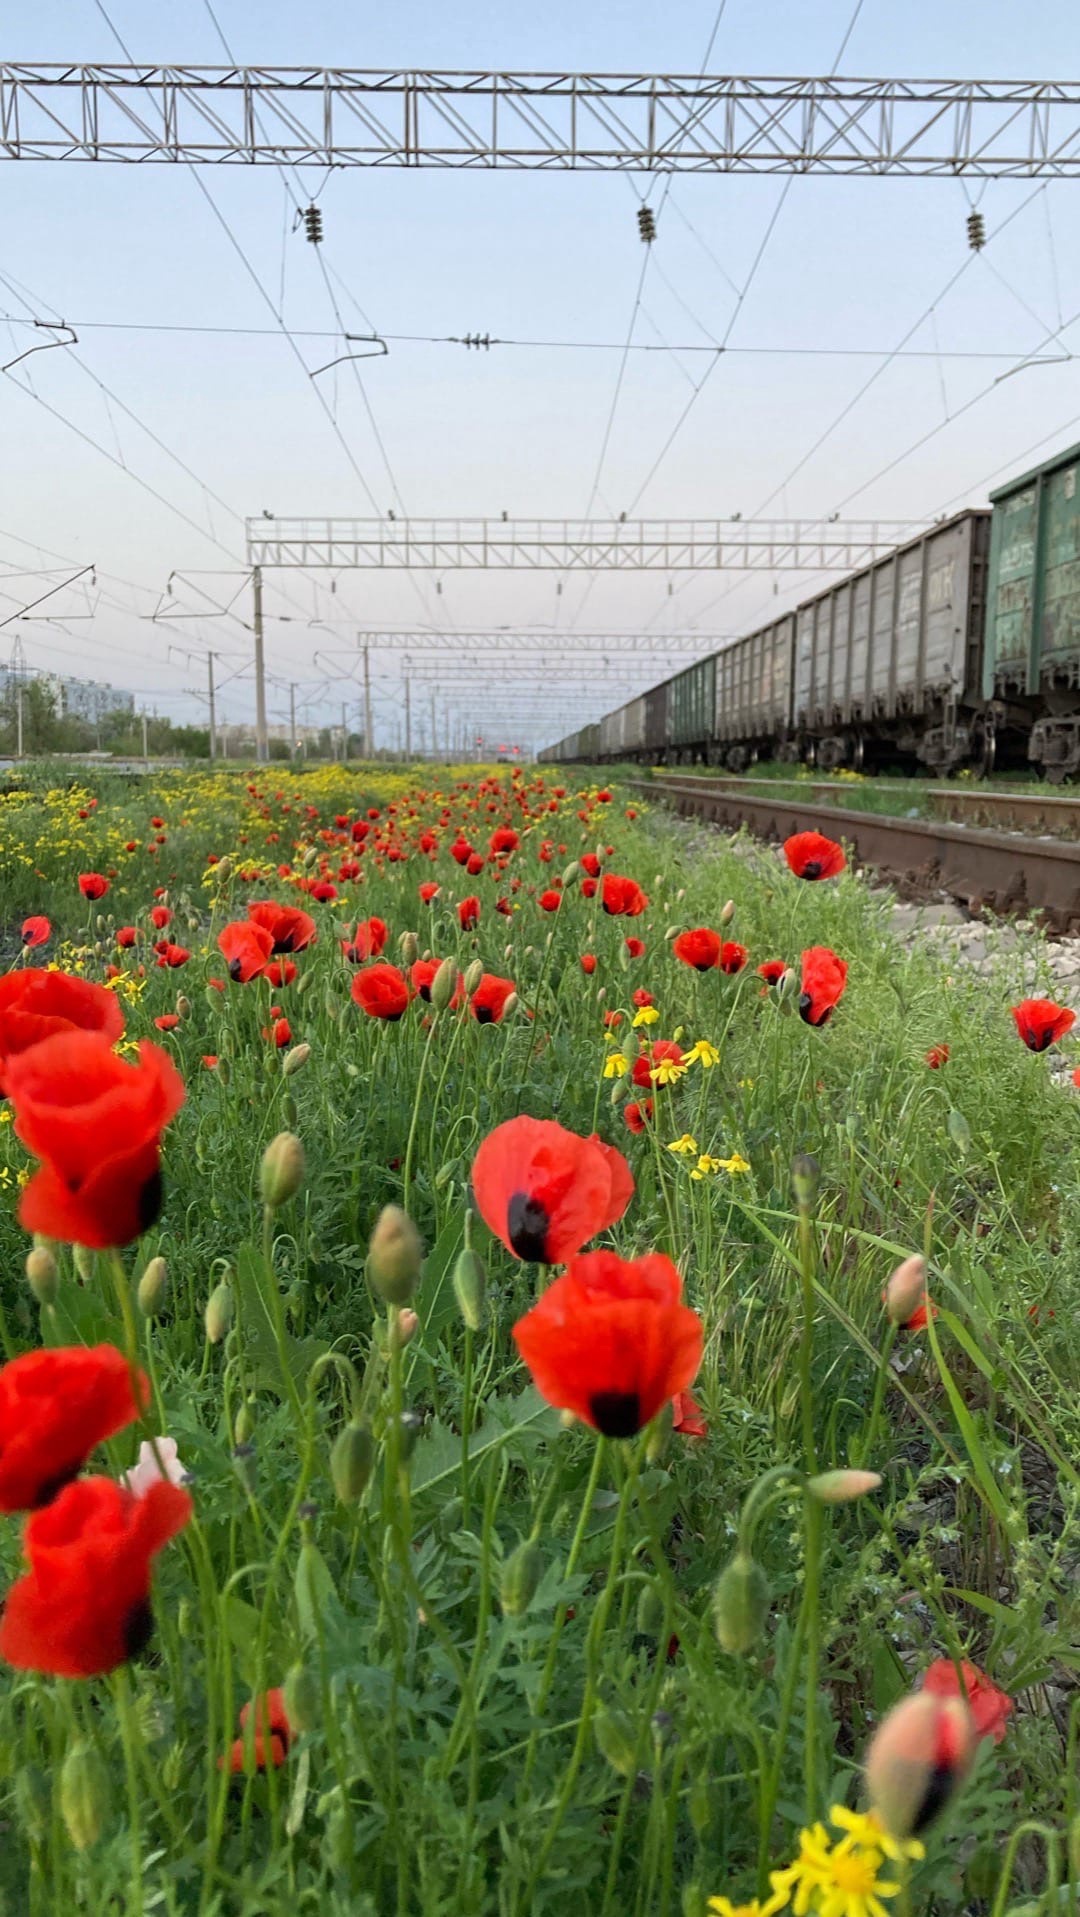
[[88, 699]]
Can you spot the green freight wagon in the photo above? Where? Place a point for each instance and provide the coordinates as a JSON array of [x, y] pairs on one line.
[[1031, 662], [692, 712]]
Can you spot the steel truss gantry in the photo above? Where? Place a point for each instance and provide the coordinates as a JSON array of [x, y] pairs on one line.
[[515, 641], [564, 545], [586, 122]]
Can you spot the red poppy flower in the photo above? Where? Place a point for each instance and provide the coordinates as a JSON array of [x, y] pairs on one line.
[[544, 1191], [35, 1005], [937, 1056], [131, 845], [641, 997], [637, 1116], [589, 888], [92, 885], [550, 901], [36, 931], [168, 1021], [687, 1417], [429, 890], [273, 1734], [490, 999], [246, 949], [824, 977], [289, 928], [588, 963], [612, 1019], [504, 840], [95, 1122], [157, 824], [700, 949], [469, 914], [1041, 1023], [55, 1407], [461, 850], [612, 1341], [590, 864], [160, 916], [647, 1061], [368, 941], [622, 898], [474, 864], [422, 978], [381, 991], [990, 1708], [83, 1606], [636, 948], [281, 972], [812, 856], [173, 956], [126, 936], [772, 971], [732, 957], [210, 1060]]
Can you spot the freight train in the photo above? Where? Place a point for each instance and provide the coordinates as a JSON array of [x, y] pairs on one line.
[[959, 649]]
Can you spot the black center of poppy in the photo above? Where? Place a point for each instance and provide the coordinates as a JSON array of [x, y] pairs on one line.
[[352, 953], [137, 1628], [806, 1007], [484, 1014], [527, 1228], [46, 1491], [938, 1791], [425, 993], [236, 967], [148, 1203], [1038, 1041], [616, 1414], [703, 965], [812, 869]]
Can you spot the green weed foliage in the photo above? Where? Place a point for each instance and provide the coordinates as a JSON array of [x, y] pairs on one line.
[[497, 1634]]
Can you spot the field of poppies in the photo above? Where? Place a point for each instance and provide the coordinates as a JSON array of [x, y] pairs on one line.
[[540, 1368]]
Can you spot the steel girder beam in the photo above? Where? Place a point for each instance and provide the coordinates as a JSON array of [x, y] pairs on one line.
[[652, 123], [563, 545]]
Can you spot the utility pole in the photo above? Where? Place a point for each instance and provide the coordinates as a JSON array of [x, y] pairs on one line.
[[292, 720], [262, 748], [408, 717], [210, 701], [19, 720], [434, 742], [344, 732], [369, 743], [145, 745]]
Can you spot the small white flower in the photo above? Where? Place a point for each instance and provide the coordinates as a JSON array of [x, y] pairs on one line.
[[149, 1471]]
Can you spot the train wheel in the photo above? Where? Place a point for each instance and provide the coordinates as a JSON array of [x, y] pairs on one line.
[[985, 753]]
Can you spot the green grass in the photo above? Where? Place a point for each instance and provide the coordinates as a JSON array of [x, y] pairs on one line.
[[456, 1758]]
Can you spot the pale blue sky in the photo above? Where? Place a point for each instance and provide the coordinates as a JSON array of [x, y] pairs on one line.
[[850, 265]]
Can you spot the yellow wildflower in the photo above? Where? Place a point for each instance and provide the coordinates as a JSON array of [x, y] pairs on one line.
[[723, 1907], [616, 1065], [735, 1164], [834, 1879], [685, 1144], [646, 1015], [866, 1829], [703, 1054], [668, 1072], [746, 1084], [706, 1165]]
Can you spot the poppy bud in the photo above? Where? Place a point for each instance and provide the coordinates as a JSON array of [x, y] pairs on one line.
[[805, 1179], [474, 973], [443, 985], [42, 1274], [295, 1059], [303, 982], [244, 1426], [572, 873], [619, 1090], [352, 1459], [740, 1604], [614, 1734], [223, 870], [659, 1433], [84, 1795], [469, 1287], [409, 947], [395, 1255], [219, 1313], [183, 1006], [960, 1132], [84, 1263], [728, 912], [905, 1290], [842, 1487], [282, 1171], [410, 1425], [152, 1287], [99, 923], [650, 1611], [918, 1758], [301, 1691], [787, 985], [309, 858], [519, 1576], [511, 1005], [214, 998]]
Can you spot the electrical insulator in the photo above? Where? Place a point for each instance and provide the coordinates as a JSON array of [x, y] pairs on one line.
[[646, 224], [976, 232], [313, 224], [477, 341]]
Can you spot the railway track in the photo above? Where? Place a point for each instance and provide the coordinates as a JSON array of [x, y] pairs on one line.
[[984, 869], [991, 806]]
